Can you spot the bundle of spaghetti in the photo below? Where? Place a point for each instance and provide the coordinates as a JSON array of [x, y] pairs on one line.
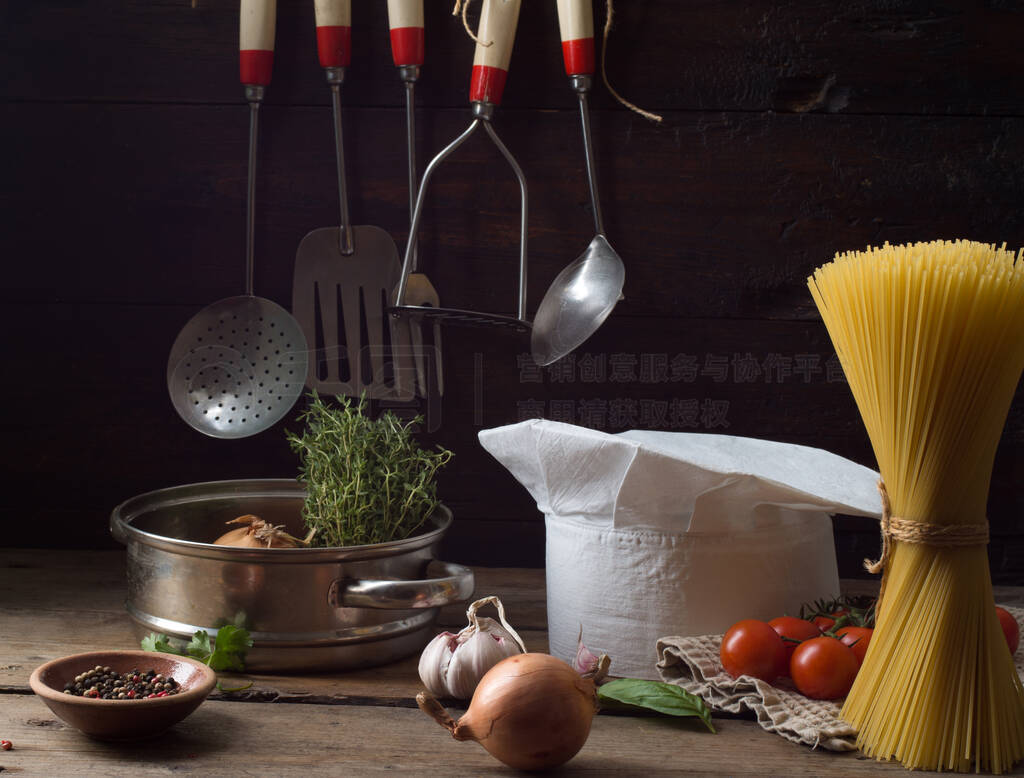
[[931, 338]]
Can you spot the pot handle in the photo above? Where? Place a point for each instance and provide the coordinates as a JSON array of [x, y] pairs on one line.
[[456, 586]]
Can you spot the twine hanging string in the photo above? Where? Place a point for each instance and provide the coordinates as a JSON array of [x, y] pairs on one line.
[[924, 533], [461, 7], [609, 13]]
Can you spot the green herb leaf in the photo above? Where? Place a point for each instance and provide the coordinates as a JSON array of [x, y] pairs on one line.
[[229, 648], [367, 480], [227, 652], [631, 694], [230, 689], [199, 647], [156, 641]]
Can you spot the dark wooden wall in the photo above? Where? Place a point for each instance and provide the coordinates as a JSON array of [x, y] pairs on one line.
[[792, 130]]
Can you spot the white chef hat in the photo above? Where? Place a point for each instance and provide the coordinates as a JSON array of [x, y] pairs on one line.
[[667, 533]]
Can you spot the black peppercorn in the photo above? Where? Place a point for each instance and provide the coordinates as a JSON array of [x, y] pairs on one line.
[[105, 683]]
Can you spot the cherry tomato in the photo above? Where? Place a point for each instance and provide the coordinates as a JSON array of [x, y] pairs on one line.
[[794, 629], [823, 668], [752, 647], [856, 638], [825, 623], [1010, 628]]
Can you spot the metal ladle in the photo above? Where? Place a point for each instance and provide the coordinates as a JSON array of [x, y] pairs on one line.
[[585, 292]]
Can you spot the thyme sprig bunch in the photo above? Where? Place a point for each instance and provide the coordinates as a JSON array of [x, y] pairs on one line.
[[367, 480]]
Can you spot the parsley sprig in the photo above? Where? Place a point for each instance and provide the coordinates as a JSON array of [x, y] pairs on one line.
[[226, 652]]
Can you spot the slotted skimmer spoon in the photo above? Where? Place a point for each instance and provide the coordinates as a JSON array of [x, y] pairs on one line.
[[498, 20], [585, 292], [344, 276], [405, 23], [237, 366]]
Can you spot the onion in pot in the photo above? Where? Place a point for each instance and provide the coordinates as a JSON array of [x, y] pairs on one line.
[[530, 711], [256, 533]]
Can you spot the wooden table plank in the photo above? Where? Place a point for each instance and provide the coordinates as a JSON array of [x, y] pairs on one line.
[[54, 603], [230, 739]]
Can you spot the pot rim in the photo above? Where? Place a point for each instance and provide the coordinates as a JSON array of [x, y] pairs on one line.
[[125, 513]]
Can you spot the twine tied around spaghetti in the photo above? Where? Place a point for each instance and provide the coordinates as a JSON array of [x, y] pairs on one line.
[[461, 6], [924, 533]]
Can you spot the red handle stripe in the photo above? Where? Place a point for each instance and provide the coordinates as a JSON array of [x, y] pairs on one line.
[[407, 45], [255, 66], [334, 45], [579, 56], [487, 84]]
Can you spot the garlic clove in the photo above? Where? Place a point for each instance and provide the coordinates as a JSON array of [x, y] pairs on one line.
[[473, 658], [435, 661], [585, 660]]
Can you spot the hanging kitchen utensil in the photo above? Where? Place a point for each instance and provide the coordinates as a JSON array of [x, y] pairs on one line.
[[585, 292], [498, 19], [237, 366], [405, 21], [344, 276]]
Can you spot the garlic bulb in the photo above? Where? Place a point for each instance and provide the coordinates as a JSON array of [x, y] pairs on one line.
[[452, 665]]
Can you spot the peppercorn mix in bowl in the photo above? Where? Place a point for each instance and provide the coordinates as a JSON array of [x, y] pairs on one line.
[[159, 690]]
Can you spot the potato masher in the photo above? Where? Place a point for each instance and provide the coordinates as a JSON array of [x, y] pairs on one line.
[[498, 19]]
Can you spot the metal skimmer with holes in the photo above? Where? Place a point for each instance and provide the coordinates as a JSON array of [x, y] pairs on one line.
[[237, 367]]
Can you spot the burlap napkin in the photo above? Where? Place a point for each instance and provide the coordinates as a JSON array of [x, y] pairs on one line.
[[693, 663]]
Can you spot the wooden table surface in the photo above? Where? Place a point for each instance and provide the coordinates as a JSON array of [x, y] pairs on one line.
[[54, 603]]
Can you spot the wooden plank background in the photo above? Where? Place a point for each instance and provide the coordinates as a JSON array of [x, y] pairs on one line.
[[791, 131]]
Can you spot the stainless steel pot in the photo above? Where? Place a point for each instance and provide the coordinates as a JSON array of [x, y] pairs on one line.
[[307, 609]]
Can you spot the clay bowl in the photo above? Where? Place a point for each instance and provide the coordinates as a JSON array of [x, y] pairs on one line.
[[123, 719]]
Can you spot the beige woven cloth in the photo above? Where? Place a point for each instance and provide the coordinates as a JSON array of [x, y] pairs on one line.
[[693, 663]]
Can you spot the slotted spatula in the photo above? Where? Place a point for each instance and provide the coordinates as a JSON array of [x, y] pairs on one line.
[[344, 276]]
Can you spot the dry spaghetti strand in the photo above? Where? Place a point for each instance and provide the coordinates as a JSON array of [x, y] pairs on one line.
[[929, 338]]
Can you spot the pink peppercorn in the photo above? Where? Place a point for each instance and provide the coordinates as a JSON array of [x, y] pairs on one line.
[[6, 745]]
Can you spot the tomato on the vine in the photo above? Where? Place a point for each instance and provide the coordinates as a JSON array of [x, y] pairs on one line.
[[856, 638], [753, 648], [1010, 628], [825, 623], [823, 668], [790, 629]]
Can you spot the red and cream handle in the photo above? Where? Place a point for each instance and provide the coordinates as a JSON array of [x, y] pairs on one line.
[[405, 20], [334, 32], [498, 20], [576, 24], [256, 41]]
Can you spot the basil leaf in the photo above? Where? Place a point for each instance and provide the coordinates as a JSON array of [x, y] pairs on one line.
[[156, 641], [630, 694]]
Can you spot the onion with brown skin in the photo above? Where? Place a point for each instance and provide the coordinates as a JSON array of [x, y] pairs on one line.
[[530, 711], [256, 533]]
